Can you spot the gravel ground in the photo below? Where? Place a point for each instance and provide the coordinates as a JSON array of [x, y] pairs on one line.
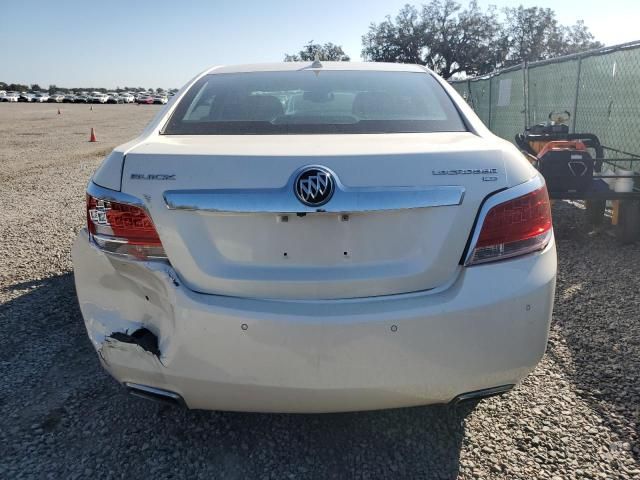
[[577, 416]]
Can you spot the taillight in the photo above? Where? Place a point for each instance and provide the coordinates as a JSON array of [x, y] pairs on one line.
[[515, 227], [123, 229]]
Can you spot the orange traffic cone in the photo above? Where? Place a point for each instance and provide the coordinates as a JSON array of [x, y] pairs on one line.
[[92, 138], [58, 111], [91, 108]]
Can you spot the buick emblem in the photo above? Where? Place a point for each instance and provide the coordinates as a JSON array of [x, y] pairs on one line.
[[314, 186]]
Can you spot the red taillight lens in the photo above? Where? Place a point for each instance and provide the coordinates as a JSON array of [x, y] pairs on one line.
[[515, 227], [123, 229]]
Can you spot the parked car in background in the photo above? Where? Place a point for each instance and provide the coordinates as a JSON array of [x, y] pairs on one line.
[[127, 97], [317, 237], [69, 98], [113, 97], [25, 97], [40, 97], [144, 99], [10, 97], [160, 100], [81, 99], [56, 98], [98, 97]]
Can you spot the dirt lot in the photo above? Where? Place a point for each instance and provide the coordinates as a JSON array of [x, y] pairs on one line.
[[577, 416]]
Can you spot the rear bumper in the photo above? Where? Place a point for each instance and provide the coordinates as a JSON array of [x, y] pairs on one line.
[[488, 328]]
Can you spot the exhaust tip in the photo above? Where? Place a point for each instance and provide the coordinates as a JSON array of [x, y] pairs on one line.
[[156, 394], [484, 393]]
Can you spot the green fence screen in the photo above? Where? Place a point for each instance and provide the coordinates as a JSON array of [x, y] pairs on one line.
[[600, 89]]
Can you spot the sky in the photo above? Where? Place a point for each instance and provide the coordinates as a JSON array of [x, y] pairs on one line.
[[164, 43]]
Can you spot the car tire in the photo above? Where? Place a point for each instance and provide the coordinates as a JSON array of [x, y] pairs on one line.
[[628, 230], [595, 211]]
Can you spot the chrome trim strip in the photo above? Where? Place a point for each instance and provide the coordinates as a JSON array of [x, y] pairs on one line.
[[283, 200], [105, 242], [503, 196], [153, 393], [109, 195], [106, 239], [478, 394]]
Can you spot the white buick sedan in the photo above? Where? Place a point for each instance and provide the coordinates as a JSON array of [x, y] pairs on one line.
[[316, 237]]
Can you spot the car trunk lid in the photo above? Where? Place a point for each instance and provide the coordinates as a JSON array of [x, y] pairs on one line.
[[398, 222]]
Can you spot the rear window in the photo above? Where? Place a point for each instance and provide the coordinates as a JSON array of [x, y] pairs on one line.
[[314, 101]]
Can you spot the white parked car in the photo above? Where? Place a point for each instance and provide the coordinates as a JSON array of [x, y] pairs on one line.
[[127, 97], [114, 97], [373, 247], [10, 97], [40, 97], [98, 97], [56, 98]]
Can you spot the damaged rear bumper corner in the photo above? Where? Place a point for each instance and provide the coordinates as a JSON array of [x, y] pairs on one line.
[[128, 308], [117, 349]]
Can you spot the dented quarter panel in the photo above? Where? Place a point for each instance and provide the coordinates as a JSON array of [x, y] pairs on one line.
[[135, 293]]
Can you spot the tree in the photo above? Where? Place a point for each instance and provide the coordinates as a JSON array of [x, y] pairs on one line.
[[460, 40], [452, 40], [534, 34], [328, 52], [35, 87], [442, 36], [402, 41], [18, 87], [578, 38]]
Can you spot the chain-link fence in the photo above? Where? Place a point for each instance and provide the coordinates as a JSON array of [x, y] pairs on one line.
[[600, 89]]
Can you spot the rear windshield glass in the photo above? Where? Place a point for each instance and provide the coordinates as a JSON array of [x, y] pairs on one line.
[[312, 101]]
